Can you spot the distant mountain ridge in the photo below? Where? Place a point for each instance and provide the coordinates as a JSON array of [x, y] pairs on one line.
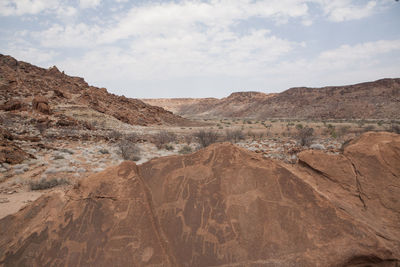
[[370, 100]]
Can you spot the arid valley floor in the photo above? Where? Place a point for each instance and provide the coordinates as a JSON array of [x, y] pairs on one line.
[[306, 177]]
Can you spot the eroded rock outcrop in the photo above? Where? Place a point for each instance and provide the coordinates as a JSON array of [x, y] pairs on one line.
[[23, 82], [221, 206]]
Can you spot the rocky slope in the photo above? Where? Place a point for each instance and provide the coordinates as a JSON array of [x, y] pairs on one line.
[[221, 206], [24, 86], [371, 100]]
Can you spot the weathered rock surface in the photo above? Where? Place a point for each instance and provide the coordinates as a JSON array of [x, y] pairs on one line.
[[221, 206], [370, 100]]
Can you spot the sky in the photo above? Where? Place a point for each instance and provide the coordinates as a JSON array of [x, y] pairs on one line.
[[157, 49]]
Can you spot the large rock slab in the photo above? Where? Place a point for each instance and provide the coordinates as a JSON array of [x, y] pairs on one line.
[[221, 206]]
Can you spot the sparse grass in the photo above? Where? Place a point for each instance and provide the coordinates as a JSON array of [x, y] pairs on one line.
[[47, 183]]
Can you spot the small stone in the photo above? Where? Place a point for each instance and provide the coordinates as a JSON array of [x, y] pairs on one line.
[[317, 147]]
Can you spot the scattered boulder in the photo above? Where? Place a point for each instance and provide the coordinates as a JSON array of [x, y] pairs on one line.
[[11, 153], [221, 206], [12, 105], [58, 93], [41, 104], [66, 121]]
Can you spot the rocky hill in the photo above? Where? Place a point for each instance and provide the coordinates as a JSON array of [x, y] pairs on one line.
[[371, 100], [221, 206], [24, 86]]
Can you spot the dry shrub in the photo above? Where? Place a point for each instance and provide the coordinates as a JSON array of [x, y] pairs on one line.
[[132, 137], [163, 137], [114, 135], [305, 135], [46, 184], [252, 135], [395, 128], [234, 135], [369, 128], [343, 130], [206, 138], [188, 139], [185, 150], [129, 150]]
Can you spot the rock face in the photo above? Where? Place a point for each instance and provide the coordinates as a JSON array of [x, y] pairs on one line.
[[371, 100], [221, 206], [46, 88]]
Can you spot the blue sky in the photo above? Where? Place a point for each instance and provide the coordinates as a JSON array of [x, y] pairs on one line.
[[210, 48]]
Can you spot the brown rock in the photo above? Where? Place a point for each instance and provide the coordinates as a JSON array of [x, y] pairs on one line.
[[221, 206], [41, 104], [58, 93], [65, 121], [12, 105], [11, 153], [4, 134]]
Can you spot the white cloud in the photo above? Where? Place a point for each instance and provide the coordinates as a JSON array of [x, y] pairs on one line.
[[175, 18], [344, 10], [21, 7], [89, 3], [78, 35], [30, 54], [343, 65], [348, 54]]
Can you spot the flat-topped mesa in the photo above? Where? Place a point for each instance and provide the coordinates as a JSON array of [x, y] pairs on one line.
[[220, 206], [247, 94], [23, 82]]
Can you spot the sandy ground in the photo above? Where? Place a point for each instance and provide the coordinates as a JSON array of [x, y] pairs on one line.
[[11, 203]]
